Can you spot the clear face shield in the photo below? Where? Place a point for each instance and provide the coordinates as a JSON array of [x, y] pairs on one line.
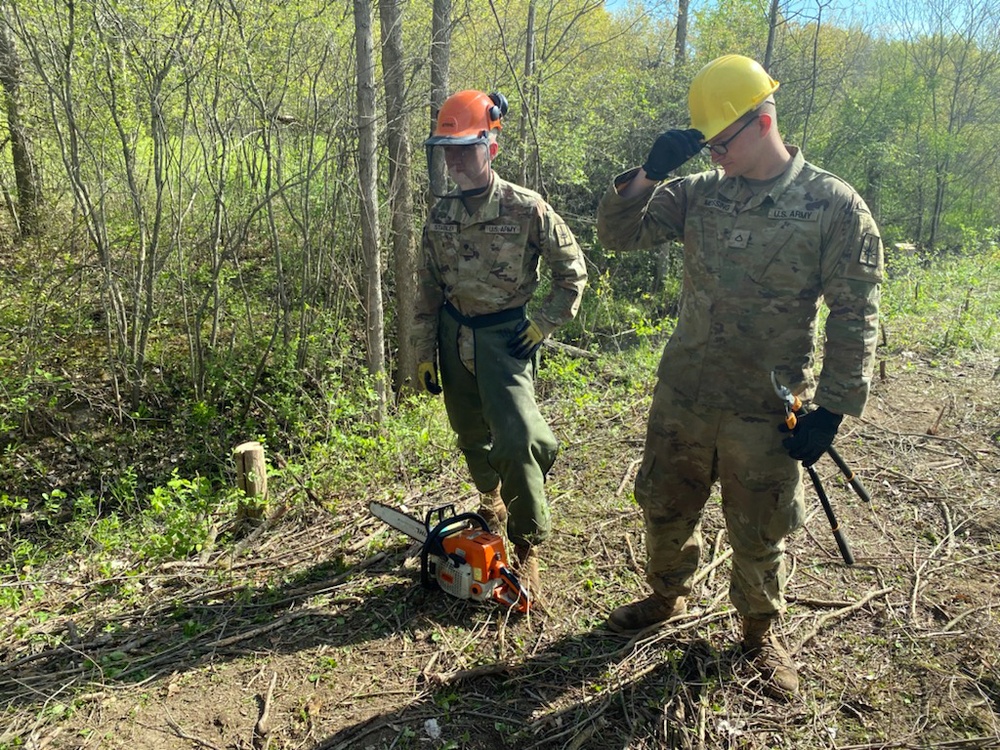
[[457, 169]]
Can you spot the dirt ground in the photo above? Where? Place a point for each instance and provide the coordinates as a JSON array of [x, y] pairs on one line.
[[319, 635]]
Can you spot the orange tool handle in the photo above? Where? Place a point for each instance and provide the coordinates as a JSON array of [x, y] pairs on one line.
[[790, 414], [511, 591]]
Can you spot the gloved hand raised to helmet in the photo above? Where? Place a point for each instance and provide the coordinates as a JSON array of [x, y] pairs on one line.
[[670, 150], [812, 436]]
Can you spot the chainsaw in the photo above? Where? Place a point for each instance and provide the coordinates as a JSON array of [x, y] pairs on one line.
[[460, 555]]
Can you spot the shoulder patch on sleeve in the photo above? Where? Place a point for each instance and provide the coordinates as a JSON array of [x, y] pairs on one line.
[[563, 234], [866, 263], [868, 255]]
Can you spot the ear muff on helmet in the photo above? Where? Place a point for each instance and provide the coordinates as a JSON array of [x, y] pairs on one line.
[[499, 108], [725, 90]]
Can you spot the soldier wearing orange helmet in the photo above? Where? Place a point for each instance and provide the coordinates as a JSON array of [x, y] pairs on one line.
[[481, 249], [767, 236]]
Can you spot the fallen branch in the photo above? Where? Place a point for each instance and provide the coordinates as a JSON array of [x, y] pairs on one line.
[[263, 725], [449, 678], [190, 737], [822, 621], [574, 351], [627, 476]]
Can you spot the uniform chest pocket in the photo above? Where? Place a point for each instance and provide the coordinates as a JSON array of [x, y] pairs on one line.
[[701, 248], [447, 253], [778, 256], [503, 260]]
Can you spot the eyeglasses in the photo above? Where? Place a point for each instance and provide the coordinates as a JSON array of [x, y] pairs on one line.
[[721, 149]]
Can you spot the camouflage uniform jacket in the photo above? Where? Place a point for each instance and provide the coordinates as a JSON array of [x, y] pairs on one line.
[[488, 262], [755, 268]]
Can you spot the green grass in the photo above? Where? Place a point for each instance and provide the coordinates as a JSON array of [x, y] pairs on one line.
[[946, 306]]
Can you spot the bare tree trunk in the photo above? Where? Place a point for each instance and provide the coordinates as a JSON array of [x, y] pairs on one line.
[[814, 79], [368, 179], [940, 186], [680, 42], [529, 89], [772, 32], [440, 66], [440, 56], [404, 245], [29, 192]]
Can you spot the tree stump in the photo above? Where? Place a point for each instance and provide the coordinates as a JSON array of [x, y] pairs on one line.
[[251, 477]]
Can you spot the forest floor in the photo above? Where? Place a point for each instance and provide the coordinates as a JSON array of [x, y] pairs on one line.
[[314, 631]]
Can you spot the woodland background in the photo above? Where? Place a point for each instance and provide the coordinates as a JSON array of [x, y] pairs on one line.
[[218, 192]]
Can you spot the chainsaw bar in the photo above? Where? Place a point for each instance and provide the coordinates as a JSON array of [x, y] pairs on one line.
[[400, 521]]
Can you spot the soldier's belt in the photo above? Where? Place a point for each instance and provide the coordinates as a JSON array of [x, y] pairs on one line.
[[483, 321]]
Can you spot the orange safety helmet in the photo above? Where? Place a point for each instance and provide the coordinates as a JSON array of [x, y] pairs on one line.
[[467, 117]]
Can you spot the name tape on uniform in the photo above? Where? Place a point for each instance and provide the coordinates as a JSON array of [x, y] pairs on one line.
[[719, 204], [795, 214]]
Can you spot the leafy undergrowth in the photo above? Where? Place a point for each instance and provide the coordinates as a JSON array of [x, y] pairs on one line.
[[311, 630]]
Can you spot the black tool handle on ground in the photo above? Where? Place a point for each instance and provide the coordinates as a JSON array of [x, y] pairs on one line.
[[849, 474], [845, 548]]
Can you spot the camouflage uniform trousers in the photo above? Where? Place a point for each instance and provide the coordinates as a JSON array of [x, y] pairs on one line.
[[688, 448], [499, 427]]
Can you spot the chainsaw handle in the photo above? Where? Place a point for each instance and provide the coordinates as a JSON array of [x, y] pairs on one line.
[[512, 591], [449, 526]]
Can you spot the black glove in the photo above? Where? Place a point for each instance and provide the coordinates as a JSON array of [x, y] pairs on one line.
[[526, 339], [670, 150], [812, 436]]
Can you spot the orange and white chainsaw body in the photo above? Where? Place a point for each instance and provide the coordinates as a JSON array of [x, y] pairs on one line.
[[460, 555], [471, 568]]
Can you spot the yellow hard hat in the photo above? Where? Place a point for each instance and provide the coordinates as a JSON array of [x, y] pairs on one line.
[[725, 90], [467, 117]]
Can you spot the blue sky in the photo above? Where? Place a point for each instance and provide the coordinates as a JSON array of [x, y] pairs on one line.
[[835, 11]]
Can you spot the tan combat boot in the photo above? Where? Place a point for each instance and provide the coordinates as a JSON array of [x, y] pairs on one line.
[[525, 564], [631, 618], [493, 511], [771, 659]]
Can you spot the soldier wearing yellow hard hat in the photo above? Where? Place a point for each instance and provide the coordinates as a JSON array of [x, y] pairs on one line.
[[767, 237]]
